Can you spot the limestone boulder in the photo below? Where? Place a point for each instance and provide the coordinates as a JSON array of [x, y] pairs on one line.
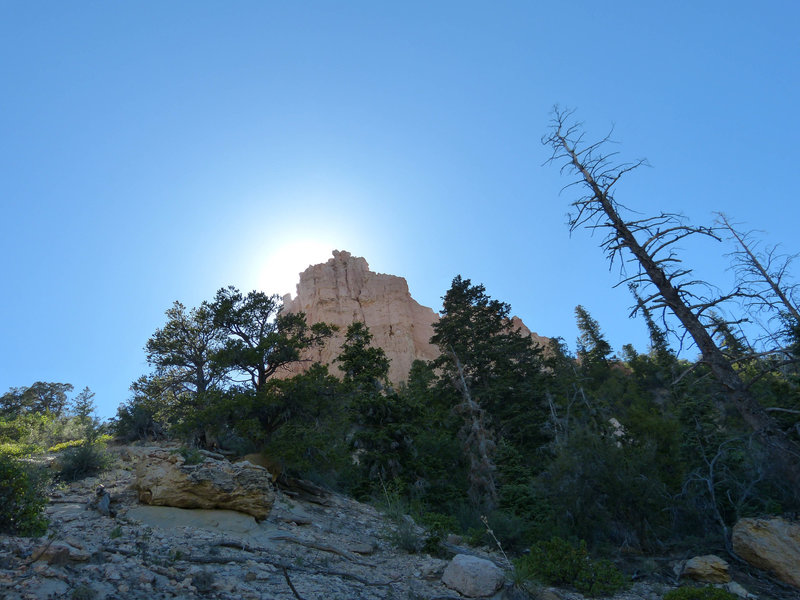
[[707, 569], [162, 478], [770, 544], [472, 576]]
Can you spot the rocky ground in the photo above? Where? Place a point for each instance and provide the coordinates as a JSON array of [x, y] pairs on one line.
[[332, 548]]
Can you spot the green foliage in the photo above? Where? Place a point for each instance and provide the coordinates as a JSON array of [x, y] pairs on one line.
[[82, 461], [83, 592], [258, 339], [22, 498], [557, 562], [103, 439], [703, 593], [90, 457], [593, 349], [183, 350], [496, 372], [438, 526], [149, 413], [600, 490], [203, 581], [17, 449], [405, 534], [191, 456], [406, 537], [633, 452], [39, 429], [41, 397]]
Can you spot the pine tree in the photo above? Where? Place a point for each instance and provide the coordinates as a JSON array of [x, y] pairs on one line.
[[495, 370]]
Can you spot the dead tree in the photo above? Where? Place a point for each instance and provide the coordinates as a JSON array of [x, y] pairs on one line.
[[478, 443], [763, 276], [647, 245]]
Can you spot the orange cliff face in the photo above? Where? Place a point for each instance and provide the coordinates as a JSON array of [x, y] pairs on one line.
[[343, 291]]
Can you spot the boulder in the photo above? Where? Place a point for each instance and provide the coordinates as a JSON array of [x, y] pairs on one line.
[[472, 576], [770, 544], [707, 569], [60, 552], [164, 479]]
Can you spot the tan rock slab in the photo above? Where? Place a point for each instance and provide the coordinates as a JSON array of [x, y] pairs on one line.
[[163, 479], [708, 569], [770, 544]]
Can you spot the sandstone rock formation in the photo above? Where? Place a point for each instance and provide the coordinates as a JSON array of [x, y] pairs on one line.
[[472, 576], [708, 569], [770, 544], [344, 290], [163, 479]]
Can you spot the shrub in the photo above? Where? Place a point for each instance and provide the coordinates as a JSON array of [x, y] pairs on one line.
[[65, 445], [82, 461], [83, 592], [18, 449], [22, 499], [438, 526], [191, 456], [406, 537], [558, 562], [704, 593], [203, 581], [73, 443]]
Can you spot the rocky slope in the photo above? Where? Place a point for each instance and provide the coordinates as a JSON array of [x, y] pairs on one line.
[[322, 546], [334, 548], [344, 290]]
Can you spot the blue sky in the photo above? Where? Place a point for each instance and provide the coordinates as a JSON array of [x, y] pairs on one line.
[[156, 151]]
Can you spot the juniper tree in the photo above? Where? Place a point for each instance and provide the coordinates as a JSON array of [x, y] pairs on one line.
[[259, 338]]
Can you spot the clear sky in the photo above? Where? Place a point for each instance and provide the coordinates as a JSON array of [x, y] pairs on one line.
[[155, 151]]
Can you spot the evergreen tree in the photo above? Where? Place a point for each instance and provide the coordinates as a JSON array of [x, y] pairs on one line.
[[259, 339], [183, 351], [384, 423], [495, 370], [593, 349]]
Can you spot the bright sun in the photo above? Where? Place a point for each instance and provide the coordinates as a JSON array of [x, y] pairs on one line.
[[280, 271]]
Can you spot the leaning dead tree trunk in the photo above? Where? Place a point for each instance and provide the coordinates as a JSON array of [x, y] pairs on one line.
[[478, 443], [761, 278], [658, 268]]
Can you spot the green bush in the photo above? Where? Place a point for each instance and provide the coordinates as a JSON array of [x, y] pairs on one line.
[[22, 499], [191, 456], [438, 526], [704, 593], [558, 562], [73, 443], [18, 449], [39, 429], [82, 461], [406, 537]]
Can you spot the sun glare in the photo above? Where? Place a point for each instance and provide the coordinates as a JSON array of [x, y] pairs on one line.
[[280, 271]]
